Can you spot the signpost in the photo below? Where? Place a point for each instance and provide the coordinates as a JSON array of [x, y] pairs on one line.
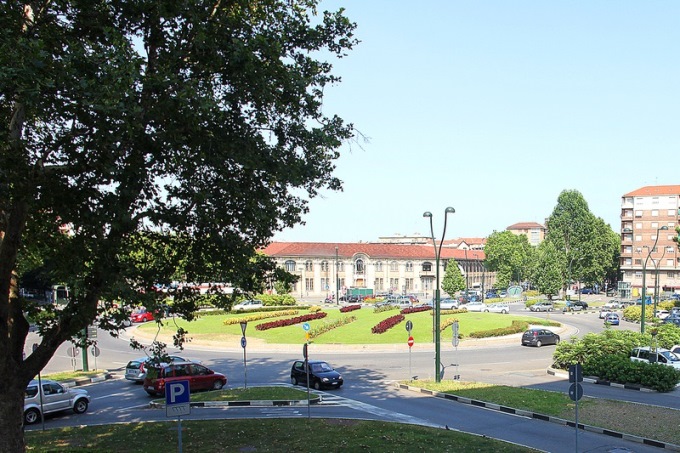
[[305, 354], [576, 393], [177, 404], [455, 340], [409, 327], [243, 345]]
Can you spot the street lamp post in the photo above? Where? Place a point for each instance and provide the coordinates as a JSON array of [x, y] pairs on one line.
[[437, 297], [643, 299]]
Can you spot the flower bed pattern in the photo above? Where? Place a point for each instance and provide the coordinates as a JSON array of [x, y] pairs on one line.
[[258, 316], [386, 324], [290, 321], [349, 308], [327, 326], [406, 311]]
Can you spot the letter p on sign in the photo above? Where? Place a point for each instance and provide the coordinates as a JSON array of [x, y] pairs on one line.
[[177, 392]]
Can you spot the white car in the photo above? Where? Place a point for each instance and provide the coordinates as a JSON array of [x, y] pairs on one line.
[[661, 356], [498, 308], [475, 306], [252, 304], [448, 304], [53, 397], [613, 305], [662, 314]]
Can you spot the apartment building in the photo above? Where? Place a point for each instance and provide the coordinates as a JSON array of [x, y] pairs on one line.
[[404, 268], [649, 216], [535, 232]]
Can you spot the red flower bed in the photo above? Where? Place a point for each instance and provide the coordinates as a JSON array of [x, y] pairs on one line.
[[349, 308], [290, 321], [388, 323], [406, 311]]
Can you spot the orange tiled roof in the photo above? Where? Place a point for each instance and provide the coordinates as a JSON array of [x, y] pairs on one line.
[[525, 226], [649, 191], [372, 250]]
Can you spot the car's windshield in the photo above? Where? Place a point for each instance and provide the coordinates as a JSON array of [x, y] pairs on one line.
[[670, 356], [321, 367]]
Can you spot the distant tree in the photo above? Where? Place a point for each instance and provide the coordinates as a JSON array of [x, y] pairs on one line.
[[510, 256], [146, 140], [453, 280], [546, 273]]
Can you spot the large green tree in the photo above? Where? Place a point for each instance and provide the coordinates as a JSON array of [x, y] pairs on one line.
[[198, 122], [510, 256], [589, 248]]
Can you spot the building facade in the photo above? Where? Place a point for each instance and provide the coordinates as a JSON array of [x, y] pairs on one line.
[[535, 232], [649, 216], [382, 267]]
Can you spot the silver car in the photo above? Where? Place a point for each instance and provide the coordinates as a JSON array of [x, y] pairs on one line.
[[52, 397]]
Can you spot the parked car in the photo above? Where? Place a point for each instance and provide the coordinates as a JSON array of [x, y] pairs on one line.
[[141, 315], [662, 314], [575, 305], [321, 374], [542, 306], [200, 377], [538, 337], [252, 304], [448, 304], [55, 397], [492, 295], [612, 319], [672, 319], [587, 291], [613, 305], [475, 306], [661, 356], [136, 369], [676, 349], [498, 308]]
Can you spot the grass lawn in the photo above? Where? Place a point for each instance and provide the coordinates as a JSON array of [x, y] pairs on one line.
[[263, 435], [211, 328]]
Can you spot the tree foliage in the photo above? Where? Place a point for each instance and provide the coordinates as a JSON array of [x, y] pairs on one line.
[[147, 140], [453, 280], [510, 256]]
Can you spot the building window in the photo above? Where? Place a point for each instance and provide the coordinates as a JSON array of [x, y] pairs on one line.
[[378, 284], [638, 274], [671, 275], [341, 266], [324, 266], [394, 284], [290, 266], [655, 213], [394, 266], [638, 238], [309, 266], [669, 262], [359, 267], [638, 226], [409, 283], [655, 225], [628, 261], [427, 266], [428, 284], [325, 284], [638, 262], [671, 213], [638, 213], [341, 282], [378, 266], [309, 284], [409, 266]]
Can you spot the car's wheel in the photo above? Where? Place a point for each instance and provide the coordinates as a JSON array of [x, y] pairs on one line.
[[317, 385], [557, 341], [217, 385], [504, 311], [293, 380], [539, 344], [80, 406], [31, 416]]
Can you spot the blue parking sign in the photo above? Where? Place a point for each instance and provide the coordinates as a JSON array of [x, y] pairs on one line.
[[177, 398]]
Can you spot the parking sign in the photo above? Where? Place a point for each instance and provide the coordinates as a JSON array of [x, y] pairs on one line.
[[177, 399]]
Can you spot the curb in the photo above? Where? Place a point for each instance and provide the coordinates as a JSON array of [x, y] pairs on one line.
[[543, 417], [562, 374], [253, 403], [84, 381]]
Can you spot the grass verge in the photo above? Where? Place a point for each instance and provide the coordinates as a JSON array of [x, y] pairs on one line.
[[264, 435], [652, 422]]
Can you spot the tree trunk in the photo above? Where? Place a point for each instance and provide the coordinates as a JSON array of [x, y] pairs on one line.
[[11, 417]]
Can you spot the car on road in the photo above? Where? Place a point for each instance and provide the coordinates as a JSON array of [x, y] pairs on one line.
[[200, 377], [603, 313], [448, 304], [251, 304], [539, 337], [475, 306], [575, 305], [587, 291], [321, 374], [613, 305], [498, 308], [612, 319], [141, 315], [662, 314], [542, 306], [55, 398], [660, 355], [135, 370]]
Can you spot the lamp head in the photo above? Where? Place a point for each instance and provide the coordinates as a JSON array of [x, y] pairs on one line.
[[449, 210], [665, 227], [427, 214]]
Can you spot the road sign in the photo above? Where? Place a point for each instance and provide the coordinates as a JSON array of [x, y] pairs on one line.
[[409, 326], [575, 373], [454, 334], [243, 342], [306, 326], [177, 399], [95, 351], [243, 328], [575, 391], [304, 350], [410, 341], [91, 332], [72, 351]]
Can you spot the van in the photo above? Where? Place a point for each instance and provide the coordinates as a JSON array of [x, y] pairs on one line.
[[660, 355]]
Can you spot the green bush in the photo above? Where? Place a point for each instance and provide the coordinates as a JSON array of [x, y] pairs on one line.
[[633, 313], [622, 370]]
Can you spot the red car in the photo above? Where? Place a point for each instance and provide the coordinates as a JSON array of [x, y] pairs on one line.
[[200, 377], [142, 315]]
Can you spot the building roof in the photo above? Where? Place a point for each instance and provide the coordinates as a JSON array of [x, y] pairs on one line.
[[650, 191], [526, 226], [372, 250]]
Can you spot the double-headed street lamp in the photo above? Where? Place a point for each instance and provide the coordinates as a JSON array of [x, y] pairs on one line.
[[437, 298], [643, 298]]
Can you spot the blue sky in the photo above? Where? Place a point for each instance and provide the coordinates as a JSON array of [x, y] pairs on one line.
[[494, 108]]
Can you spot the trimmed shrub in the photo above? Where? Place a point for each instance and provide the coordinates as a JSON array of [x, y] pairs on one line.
[[330, 325], [259, 315], [409, 310], [386, 324], [349, 308], [290, 321], [622, 370]]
